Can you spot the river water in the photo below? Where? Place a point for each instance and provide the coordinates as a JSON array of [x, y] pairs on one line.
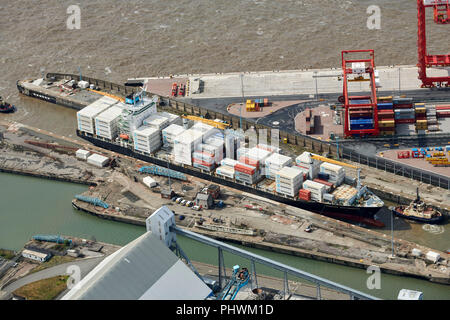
[[35, 206]]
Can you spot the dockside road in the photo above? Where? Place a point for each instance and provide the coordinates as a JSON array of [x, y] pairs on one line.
[[309, 82]]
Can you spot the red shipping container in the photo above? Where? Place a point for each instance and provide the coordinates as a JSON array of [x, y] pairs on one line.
[[390, 111], [203, 163], [443, 107], [245, 168], [442, 114], [424, 117], [403, 106], [405, 120], [251, 162], [329, 184], [304, 194]]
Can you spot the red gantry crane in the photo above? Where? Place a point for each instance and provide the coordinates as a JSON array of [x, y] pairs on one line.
[[361, 113], [441, 16]]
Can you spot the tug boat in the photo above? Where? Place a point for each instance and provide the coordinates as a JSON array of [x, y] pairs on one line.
[[6, 107], [419, 211]]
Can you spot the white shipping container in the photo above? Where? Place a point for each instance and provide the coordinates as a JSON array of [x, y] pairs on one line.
[[157, 121], [82, 154], [86, 116], [98, 160], [106, 123], [433, 256], [149, 182], [171, 132]]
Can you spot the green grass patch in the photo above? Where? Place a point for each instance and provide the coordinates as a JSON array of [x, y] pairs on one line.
[[46, 289], [54, 261]]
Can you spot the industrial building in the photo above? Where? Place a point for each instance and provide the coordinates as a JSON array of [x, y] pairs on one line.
[[145, 269]]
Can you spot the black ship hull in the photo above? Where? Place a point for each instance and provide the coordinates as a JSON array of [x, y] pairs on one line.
[[347, 213]]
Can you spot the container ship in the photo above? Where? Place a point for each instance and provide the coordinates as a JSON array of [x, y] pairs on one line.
[[210, 150]]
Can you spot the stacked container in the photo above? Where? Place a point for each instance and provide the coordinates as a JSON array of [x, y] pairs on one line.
[[421, 117], [431, 117], [336, 173], [304, 194], [203, 160], [147, 139], [268, 148], [317, 190], [311, 166], [185, 144], [133, 115], [206, 130], [226, 168], [361, 118], [217, 144], [386, 120], [443, 111], [246, 173], [86, 116], [407, 115], [107, 123], [173, 118], [170, 133], [274, 163], [225, 171], [288, 181], [157, 121], [402, 103]]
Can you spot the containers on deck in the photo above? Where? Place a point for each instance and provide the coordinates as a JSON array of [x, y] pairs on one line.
[[107, 123], [288, 181], [86, 116], [147, 139]]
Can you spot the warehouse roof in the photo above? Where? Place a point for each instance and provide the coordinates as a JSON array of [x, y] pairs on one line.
[[145, 269]]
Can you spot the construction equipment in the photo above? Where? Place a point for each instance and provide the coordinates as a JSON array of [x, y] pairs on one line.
[[108, 95], [239, 279], [213, 123], [365, 122], [441, 16], [325, 159], [160, 171], [174, 89]]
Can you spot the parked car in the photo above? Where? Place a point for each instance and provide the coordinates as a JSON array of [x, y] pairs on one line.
[[179, 200], [183, 202], [196, 208], [189, 204]]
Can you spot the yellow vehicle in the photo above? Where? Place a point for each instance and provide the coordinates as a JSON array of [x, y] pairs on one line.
[[213, 123]]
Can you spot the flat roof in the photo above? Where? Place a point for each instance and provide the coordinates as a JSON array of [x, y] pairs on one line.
[[35, 253], [110, 114]]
